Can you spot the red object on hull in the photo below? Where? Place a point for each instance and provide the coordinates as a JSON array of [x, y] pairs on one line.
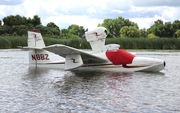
[[120, 57]]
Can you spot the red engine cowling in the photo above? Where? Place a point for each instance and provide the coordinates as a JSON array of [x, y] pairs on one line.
[[120, 57]]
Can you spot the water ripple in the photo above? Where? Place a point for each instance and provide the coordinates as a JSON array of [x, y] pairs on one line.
[[39, 90]]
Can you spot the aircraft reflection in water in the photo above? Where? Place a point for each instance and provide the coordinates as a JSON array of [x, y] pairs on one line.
[[102, 57]]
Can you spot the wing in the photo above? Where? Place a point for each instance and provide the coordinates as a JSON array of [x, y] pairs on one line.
[[63, 51]]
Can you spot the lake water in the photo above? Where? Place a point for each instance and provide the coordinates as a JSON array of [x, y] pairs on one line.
[[24, 89]]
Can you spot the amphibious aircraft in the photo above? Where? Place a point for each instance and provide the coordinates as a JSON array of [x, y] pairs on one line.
[[102, 57]]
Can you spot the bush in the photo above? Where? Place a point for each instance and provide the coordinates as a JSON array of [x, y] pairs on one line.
[[4, 43]]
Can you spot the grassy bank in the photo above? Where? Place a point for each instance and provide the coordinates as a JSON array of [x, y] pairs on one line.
[[146, 43], [126, 43], [7, 42]]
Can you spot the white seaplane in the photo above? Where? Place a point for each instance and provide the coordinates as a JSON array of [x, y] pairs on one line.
[[102, 57]]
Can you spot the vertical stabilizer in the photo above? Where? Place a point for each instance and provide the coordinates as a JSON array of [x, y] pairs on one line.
[[35, 38]]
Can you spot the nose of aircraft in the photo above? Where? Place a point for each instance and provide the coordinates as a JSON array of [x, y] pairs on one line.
[[164, 64]]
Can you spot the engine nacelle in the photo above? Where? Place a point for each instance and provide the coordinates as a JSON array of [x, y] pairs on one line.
[[96, 34], [111, 47]]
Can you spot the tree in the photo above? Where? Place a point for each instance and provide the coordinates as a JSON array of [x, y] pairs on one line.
[[175, 26], [64, 31], [19, 24], [35, 20], [168, 28], [14, 20], [177, 33], [44, 30], [143, 33], [108, 24], [1, 30], [54, 28], [158, 28], [23, 30], [114, 25], [161, 29], [158, 22], [76, 30], [130, 31], [7, 29], [53, 25], [20, 29], [151, 35], [123, 32]]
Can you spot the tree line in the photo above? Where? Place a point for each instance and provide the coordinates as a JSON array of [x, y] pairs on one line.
[[19, 25], [16, 25]]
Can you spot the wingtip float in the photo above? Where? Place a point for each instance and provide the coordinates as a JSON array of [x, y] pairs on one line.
[[103, 57]]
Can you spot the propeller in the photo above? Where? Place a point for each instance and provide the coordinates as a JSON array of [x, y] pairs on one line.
[[83, 37]]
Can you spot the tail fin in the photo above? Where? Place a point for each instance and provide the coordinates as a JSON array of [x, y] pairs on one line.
[[35, 38], [37, 56]]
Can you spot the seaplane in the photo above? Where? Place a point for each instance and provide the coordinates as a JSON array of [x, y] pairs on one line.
[[101, 57]]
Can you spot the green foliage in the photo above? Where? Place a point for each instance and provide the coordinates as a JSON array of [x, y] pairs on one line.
[[20, 29], [68, 36], [123, 31], [36, 20], [151, 35], [143, 33], [53, 26], [177, 33], [14, 33], [167, 29], [20, 25], [4, 43], [114, 25], [14, 20], [76, 30], [48, 31], [125, 43], [64, 31], [12, 41], [19, 20], [130, 31], [146, 43], [73, 42]]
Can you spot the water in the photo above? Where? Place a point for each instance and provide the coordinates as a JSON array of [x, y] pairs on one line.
[[23, 89]]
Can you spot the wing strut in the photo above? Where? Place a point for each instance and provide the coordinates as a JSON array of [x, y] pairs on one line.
[[73, 61]]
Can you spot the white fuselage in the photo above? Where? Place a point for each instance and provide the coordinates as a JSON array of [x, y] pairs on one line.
[[138, 64], [103, 57]]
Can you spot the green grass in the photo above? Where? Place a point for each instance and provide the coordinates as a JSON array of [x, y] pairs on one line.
[[125, 43]]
